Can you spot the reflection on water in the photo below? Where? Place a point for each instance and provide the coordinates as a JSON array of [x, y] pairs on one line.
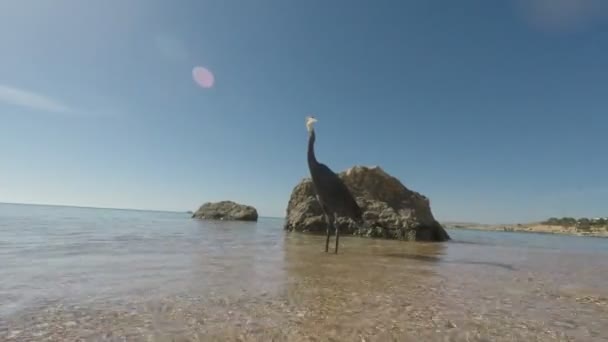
[[431, 258], [71, 273]]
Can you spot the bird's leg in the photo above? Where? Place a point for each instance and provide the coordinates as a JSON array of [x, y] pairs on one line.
[[337, 228], [327, 226]]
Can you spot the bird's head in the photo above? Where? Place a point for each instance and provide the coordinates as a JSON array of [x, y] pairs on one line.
[[310, 121]]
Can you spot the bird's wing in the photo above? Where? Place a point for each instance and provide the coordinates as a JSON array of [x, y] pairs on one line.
[[335, 193]]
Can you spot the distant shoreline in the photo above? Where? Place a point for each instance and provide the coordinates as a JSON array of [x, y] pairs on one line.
[[535, 227]]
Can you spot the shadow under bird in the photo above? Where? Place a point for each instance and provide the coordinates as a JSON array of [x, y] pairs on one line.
[[333, 195]]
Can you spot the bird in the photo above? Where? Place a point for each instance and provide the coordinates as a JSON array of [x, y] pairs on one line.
[[332, 194]]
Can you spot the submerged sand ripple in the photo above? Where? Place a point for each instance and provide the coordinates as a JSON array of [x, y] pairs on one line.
[[373, 291]]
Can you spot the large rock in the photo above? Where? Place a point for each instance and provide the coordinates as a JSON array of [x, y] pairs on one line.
[[390, 210], [226, 210]]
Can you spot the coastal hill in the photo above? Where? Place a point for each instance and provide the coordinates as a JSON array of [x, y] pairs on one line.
[[565, 225]]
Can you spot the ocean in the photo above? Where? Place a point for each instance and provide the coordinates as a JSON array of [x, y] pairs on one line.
[[70, 273]]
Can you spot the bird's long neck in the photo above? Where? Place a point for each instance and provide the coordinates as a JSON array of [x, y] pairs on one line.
[[312, 160]]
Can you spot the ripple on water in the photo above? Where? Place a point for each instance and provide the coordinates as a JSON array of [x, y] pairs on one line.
[[163, 276]]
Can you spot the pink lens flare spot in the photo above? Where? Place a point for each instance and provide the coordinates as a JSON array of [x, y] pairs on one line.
[[203, 77]]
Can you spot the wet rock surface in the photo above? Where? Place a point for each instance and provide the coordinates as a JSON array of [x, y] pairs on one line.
[[390, 210]]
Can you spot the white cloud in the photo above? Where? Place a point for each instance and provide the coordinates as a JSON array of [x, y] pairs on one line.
[[24, 98]]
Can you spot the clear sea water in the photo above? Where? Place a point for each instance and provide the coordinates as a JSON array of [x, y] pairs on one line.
[[63, 269]]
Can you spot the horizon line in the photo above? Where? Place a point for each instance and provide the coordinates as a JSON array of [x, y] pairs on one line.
[[450, 222], [111, 208], [447, 222]]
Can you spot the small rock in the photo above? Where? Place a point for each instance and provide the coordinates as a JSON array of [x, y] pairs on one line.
[[226, 210], [565, 324], [14, 333]]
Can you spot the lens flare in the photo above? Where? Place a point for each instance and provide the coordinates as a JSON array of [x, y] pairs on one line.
[[203, 77]]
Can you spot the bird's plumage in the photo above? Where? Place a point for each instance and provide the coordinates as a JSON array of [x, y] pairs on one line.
[[333, 194]]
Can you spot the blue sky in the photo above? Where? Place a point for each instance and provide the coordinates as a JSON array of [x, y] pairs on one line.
[[495, 110]]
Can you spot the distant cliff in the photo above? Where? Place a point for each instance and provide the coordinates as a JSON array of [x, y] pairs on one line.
[[566, 225], [583, 224]]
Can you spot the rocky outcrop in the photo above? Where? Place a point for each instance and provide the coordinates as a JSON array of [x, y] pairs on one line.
[[390, 210], [226, 210]]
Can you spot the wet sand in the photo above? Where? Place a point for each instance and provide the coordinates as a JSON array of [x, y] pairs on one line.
[[374, 290]]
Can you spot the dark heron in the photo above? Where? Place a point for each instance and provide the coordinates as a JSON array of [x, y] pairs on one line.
[[333, 196]]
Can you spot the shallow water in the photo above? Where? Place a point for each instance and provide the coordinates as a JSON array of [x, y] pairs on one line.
[[113, 275]]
